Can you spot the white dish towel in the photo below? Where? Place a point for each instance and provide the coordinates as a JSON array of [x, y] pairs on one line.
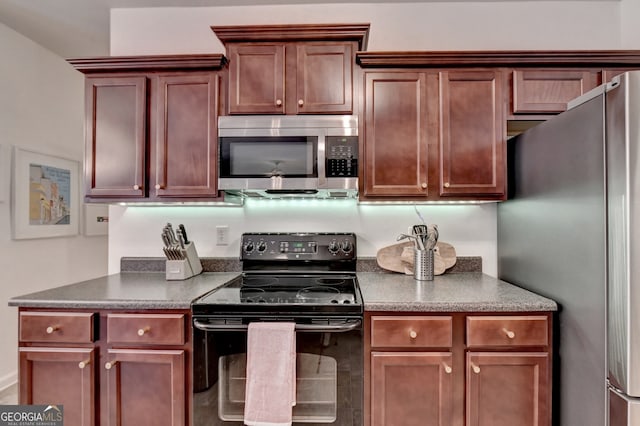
[[270, 392]]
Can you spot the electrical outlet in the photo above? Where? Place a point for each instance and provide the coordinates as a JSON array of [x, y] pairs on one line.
[[222, 235]]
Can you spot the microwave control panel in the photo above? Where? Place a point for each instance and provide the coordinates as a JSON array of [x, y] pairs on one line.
[[342, 156]]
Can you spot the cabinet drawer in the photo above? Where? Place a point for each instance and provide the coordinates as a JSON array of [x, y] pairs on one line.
[[62, 327], [411, 332], [158, 329], [507, 331]]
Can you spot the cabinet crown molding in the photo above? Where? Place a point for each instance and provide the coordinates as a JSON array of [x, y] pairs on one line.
[[149, 63], [303, 32], [496, 58]]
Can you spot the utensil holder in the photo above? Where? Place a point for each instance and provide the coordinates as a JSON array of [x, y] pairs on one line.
[[184, 268], [423, 265]]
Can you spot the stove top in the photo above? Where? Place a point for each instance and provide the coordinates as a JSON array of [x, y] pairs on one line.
[[290, 274]]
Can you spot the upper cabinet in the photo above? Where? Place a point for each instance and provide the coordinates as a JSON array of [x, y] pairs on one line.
[[433, 134], [547, 91], [151, 127], [292, 69]]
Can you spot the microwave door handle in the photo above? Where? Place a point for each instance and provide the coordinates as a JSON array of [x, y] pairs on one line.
[[322, 175]]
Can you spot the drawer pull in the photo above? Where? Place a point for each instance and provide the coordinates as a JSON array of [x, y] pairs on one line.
[[475, 368], [424, 185], [143, 331], [109, 365], [52, 328], [510, 334], [413, 334], [447, 368], [83, 364], [278, 102]]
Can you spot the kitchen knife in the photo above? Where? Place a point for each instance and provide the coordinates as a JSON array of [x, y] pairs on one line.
[[172, 234], [184, 233]]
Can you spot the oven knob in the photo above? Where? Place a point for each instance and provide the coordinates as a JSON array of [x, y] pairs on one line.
[[248, 248], [334, 247], [261, 246], [346, 246]]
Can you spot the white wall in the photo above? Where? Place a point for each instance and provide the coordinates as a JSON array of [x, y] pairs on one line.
[[135, 231], [41, 108], [630, 30], [474, 25]]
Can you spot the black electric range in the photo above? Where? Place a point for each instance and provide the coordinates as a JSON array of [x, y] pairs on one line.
[[287, 275]]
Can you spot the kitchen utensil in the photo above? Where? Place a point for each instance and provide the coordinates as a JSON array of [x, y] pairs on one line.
[[183, 231], [423, 265], [419, 215]]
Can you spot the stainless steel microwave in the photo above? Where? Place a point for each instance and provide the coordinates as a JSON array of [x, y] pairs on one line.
[[288, 156]]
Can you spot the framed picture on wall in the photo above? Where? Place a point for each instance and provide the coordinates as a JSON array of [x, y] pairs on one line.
[[45, 196]]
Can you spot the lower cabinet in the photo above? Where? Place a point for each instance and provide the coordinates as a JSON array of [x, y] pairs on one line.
[[108, 367], [506, 389], [457, 369], [394, 378], [60, 376], [145, 387]]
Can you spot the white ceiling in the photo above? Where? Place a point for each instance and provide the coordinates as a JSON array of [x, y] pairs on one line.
[[80, 28]]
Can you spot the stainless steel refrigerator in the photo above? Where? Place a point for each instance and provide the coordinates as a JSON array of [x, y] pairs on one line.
[[570, 230]]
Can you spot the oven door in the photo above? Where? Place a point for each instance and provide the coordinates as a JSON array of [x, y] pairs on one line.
[[329, 372]]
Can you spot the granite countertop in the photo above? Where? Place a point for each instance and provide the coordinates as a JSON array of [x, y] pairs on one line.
[[127, 290], [452, 292], [463, 292]]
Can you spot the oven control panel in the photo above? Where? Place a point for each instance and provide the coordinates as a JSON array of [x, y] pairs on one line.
[[298, 246]]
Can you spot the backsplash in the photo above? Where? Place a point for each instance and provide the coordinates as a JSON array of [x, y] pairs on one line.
[[135, 231], [209, 264]]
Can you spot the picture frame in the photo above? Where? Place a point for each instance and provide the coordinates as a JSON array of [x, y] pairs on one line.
[[45, 196], [96, 219]]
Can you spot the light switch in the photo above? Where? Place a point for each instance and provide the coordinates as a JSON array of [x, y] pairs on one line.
[[222, 235]]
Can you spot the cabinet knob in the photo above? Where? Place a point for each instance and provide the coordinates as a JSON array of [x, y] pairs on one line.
[[413, 334], [447, 368], [83, 364], [136, 187], [300, 102], [110, 364], [143, 331], [158, 186], [279, 102], [52, 328], [510, 334], [475, 368], [424, 185], [446, 184]]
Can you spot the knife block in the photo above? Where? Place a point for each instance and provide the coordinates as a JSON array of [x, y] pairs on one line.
[[184, 268]]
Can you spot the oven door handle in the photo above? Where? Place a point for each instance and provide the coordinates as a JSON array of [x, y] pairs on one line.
[[318, 328]]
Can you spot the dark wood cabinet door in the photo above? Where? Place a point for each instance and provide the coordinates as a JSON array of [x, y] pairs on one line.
[[184, 148], [256, 78], [506, 389], [60, 376], [411, 389], [115, 136], [472, 134], [145, 387], [548, 91], [324, 78], [395, 135]]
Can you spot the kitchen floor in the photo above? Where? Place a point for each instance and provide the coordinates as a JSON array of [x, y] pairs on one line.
[[9, 396]]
